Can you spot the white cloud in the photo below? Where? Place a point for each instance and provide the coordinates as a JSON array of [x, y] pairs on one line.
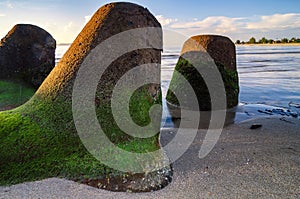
[[69, 26], [227, 24], [218, 24], [10, 5], [7, 3], [87, 18], [276, 22], [272, 26], [63, 32], [165, 21]]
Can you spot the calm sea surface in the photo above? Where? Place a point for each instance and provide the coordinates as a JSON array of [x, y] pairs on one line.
[[268, 75]]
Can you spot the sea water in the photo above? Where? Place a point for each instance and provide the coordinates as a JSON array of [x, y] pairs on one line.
[[269, 78], [269, 74]]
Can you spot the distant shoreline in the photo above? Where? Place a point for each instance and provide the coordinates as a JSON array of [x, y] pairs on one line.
[[279, 44]]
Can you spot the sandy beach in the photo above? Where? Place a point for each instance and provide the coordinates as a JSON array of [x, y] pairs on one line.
[[81, 86], [245, 163]]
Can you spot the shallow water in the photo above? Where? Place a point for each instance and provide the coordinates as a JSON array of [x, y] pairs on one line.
[[269, 75], [269, 78]]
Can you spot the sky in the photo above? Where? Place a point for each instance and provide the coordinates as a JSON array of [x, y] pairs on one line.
[[237, 19]]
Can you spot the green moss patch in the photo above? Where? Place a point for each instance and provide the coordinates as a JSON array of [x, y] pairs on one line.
[[30, 152], [14, 94], [38, 140], [139, 107], [191, 74]]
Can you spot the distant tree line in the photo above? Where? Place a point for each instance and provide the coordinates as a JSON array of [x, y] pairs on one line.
[[264, 40]]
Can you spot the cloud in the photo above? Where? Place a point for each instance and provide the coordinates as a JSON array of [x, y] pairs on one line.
[[69, 26], [7, 3], [272, 26], [276, 22], [165, 21], [63, 32], [219, 24], [2, 15], [87, 18]]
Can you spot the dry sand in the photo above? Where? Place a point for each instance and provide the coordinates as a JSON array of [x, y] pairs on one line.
[[245, 163]]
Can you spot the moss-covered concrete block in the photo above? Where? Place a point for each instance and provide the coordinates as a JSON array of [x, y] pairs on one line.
[[40, 139], [27, 53], [207, 51]]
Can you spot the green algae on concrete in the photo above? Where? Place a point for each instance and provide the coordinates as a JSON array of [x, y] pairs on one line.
[[39, 139], [222, 52], [38, 142], [14, 94]]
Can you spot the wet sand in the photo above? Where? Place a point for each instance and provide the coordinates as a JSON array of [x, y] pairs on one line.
[[245, 163]]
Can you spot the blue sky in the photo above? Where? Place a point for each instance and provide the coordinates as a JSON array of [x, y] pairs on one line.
[[236, 19]]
